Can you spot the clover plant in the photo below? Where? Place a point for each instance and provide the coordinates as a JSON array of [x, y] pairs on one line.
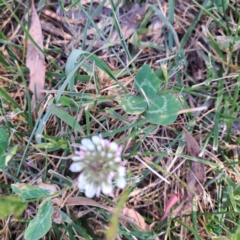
[[158, 108]]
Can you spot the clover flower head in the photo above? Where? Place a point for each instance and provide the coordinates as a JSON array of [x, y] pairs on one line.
[[100, 163]]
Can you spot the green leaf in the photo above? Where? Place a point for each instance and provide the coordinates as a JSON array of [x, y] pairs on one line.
[[236, 193], [10, 205], [3, 141], [159, 74], [163, 109], [216, 45], [5, 158], [73, 65], [236, 235], [221, 5], [65, 117], [114, 222], [29, 192], [41, 224], [10, 100], [231, 196], [66, 102], [236, 189], [52, 145], [2, 162], [133, 104], [146, 82], [180, 58]]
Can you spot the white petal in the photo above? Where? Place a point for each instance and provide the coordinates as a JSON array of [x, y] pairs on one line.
[[121, 171], [82, 148], [119, 151], [110, 176], [79, 153], [117, 159], [76, 167], [109, 155], [120, 182], [106, 143], [98, 191], [113, 147], [77, 158], [87, 143], [82, 181], [90, 190], [96, 140], [102, 143], [106, 188]]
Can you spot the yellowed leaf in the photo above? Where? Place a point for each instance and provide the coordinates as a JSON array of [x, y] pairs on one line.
[[127, 214], [56, 216], [195, 177], [47, 186], [136, 217], [35, 59], [57, 201]]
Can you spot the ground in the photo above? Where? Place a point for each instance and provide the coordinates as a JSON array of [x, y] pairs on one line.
[[159, 78]]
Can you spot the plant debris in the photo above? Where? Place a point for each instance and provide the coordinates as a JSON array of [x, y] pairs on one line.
[[35, 59], [195, 177]]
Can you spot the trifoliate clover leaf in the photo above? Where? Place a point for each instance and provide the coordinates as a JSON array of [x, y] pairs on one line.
[[146, 82], [133, 104], [163, 109]]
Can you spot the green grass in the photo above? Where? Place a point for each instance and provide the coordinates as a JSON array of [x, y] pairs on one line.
[[82, 91]]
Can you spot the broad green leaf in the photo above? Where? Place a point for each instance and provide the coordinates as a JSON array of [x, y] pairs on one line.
[[159, 74], [5, 158], [66, 102], [3, 141], [221, 5], [133, 104], [29, 192], [70, 65], [2, 162], [146, 82], [57, 142], [163, 109], [52, 145], [11, 205], [41, 224], [65, 117], [11, 153], [48, 145]]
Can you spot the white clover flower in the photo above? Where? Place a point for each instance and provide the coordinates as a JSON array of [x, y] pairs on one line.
[[100, 163]]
